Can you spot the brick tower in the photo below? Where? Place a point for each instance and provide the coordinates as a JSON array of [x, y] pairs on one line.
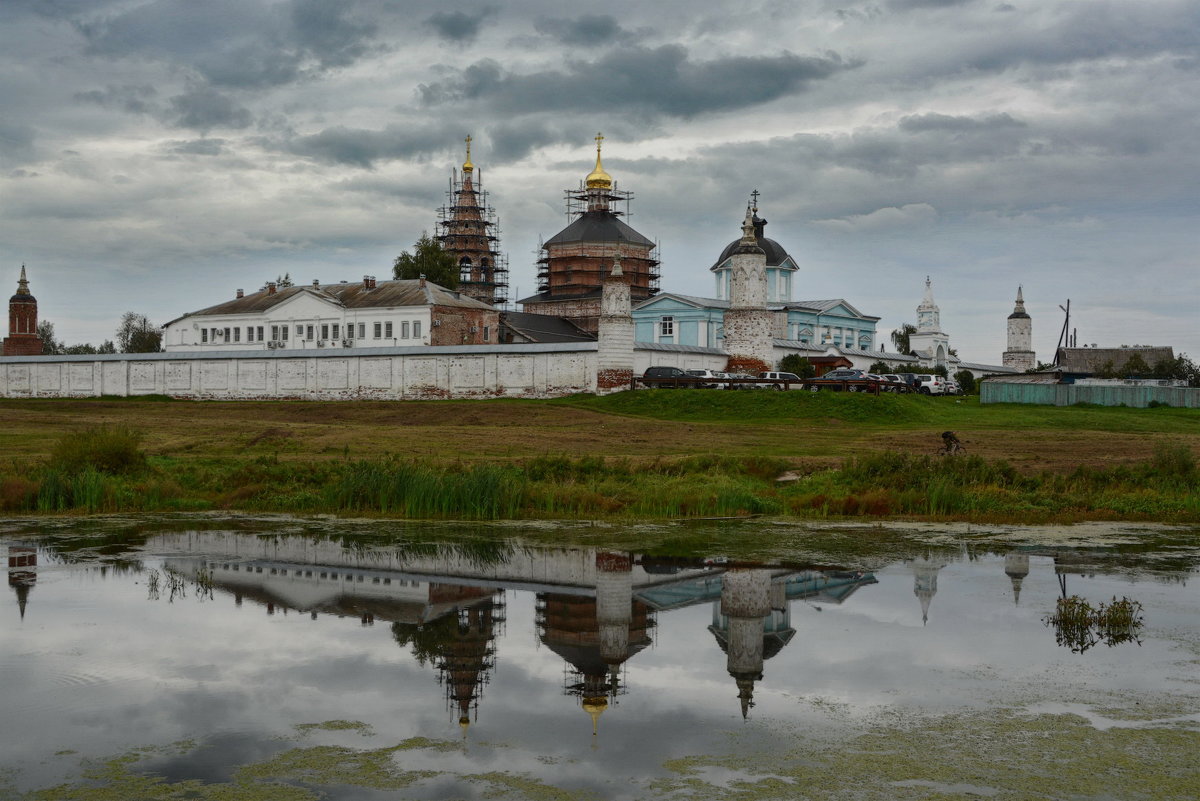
[[469, 232], [22, 339]]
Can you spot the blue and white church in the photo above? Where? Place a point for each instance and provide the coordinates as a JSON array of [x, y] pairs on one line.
[[671, 318]]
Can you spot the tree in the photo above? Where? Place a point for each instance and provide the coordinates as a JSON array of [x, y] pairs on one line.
[[880, 368], [281, 281], [51, 346], [1135, 367], [900, 338], [427, 259], [941, 370], [966, 381], [136, 334], [800, 365]]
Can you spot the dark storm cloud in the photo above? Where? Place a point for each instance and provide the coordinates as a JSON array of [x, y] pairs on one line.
[[203, 109], [233, 43], [916, 123], [459, 26], [907, 4], [134, 99], [363, 147], [198, 147], [661, 80], [590, 29]]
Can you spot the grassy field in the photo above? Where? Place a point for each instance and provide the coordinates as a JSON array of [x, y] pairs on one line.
[[659, 453]]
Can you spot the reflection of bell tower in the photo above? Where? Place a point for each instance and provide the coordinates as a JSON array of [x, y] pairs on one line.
[[596, 636], [1016, 567], [22, 573], [925, 576], [468, 657], [739, 624]]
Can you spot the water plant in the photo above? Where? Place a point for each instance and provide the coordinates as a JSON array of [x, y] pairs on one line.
[[1078, 625]]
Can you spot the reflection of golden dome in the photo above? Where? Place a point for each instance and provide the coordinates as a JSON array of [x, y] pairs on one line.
[[598, 178], [464, 723], [467, 165], [595, 706]]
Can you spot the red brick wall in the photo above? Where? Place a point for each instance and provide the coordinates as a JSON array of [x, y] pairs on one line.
[[454, 326]]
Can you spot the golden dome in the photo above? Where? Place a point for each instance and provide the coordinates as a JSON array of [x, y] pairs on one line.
[[467, 165], [598, 178], [595, 706]]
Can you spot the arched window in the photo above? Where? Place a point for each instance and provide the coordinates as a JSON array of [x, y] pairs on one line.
[[464, 269]]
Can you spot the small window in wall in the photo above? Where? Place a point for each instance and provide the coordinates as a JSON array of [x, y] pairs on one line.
[[260, 333], [404, 330], [387, 330], [275, 332], [237, 335], [203, 334], [336, 331], [227, 337], [417, 329], [378, 330], [308, 333], [666, 327], [487, 333], [362, 330], [299, 330], [285, 333], [249, 333], [325, 331]]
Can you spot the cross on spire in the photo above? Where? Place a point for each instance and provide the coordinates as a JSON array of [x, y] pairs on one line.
[[599, 139], [754, 195]]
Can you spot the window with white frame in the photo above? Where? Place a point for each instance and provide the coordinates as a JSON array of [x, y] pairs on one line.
[[378, 330], [325, 331], [362, 330], [227, 337], [336, 331], [416, 329], [387, 330], [260, 333], [285, 333], [308, 333], [666, 327], [237, 334], [404, 330], [275, 332], [203, 334], [487, 333], [249, 333]]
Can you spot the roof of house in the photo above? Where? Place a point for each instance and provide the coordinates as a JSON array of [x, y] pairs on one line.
[[1091, 360], [544, 327], [385, 294], [598, 226]]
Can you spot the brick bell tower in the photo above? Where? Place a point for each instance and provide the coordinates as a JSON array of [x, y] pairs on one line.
[[22, 339]]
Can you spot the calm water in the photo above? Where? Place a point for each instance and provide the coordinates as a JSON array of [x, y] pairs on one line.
[[586, 671]]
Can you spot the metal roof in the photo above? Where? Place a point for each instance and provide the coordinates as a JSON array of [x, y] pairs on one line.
[[598, 226]]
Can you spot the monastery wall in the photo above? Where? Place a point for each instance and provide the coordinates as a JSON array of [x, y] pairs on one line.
[[479, 371]]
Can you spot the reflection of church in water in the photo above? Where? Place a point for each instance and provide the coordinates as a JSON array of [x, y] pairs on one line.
[[596, 610]]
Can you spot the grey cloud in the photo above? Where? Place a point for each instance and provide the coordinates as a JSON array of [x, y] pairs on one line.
[[362, 147], [590, 29], [198, 147], [131, 98], [907, 4], [943, 122], [16, 142], [234, 43], [203, 108], [459, 26], [650, 81]]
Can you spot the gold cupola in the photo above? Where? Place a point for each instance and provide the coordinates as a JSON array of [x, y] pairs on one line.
[[598, 178], [467, 165]]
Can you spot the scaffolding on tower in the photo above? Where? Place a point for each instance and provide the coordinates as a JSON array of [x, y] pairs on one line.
[[469, 230]]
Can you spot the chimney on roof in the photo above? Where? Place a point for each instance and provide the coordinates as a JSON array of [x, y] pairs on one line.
[[366, 282], [372, 282], [422, 280], [240, 293], [271, 287]]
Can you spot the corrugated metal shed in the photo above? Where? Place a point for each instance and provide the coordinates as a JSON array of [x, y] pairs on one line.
[[1139, 397]]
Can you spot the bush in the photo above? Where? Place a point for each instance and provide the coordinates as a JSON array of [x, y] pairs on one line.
[[100, 448]]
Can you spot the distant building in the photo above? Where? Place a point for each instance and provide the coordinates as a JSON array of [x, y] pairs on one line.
[[574, 261], [1082, 362], [1020, 355], [468, 231], [343, 315], [22, 339], [929, 341]]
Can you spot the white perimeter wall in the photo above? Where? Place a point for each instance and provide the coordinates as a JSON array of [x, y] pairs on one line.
[[536, 370]]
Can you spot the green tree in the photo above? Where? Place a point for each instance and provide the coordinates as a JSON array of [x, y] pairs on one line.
[[800, 365], [880, 368], [136, 334], [940, 370], [900, 338], [966, 380], [281, 281], [1135, 367], [51, 345], [427, 259]]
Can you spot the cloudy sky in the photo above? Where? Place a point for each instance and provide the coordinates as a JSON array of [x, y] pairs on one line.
[[156, 155]]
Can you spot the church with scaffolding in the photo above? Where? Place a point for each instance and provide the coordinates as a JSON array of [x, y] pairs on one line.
[[573, 264], [469, 231]]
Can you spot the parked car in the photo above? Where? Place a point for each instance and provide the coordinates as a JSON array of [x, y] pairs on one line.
[[895, 383], [781, 376], [706, 374], [844, 374], [659, 372], [931, 384], [952, 387]]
